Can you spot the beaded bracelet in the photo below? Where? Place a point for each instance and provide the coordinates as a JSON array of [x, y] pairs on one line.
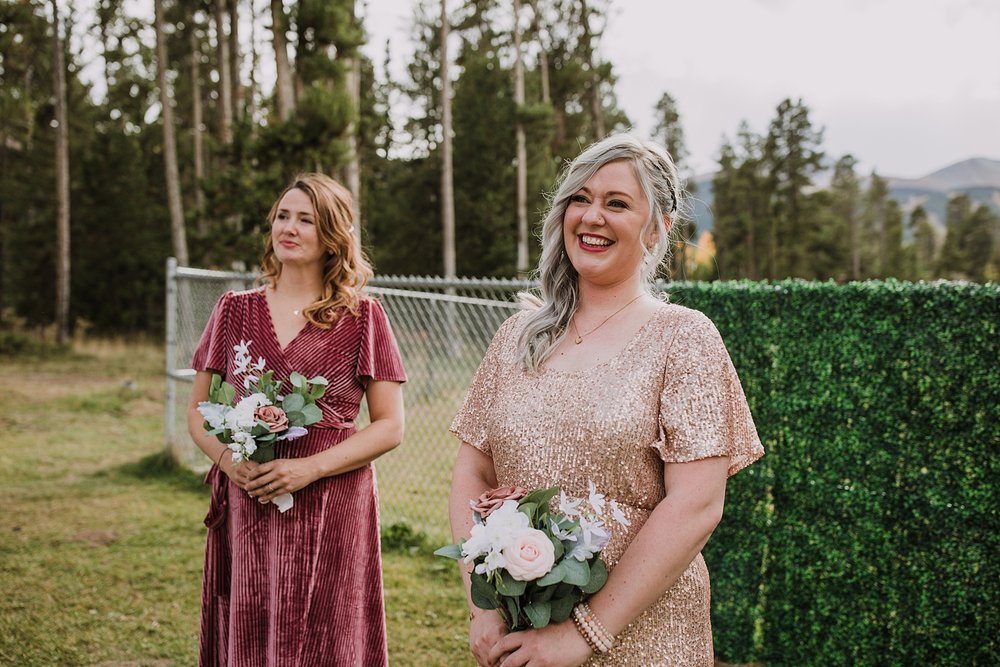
[[593, 631]]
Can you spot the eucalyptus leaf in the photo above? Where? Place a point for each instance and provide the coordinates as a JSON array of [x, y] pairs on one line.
[[598, 576], [311, 413], [514, 609], [263, 454], [510, 586], [577, 573], [538, 613], [293, 403], [297, 379], [541, 496], [562, 607], [557, 546], [554, 576], [296, 418], [483, 595], [226, 394], [453, 551]]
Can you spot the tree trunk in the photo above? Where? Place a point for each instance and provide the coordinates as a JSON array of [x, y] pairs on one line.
[[102, 27], [596, 103], [224, 69], [177, 233], [62, 181], [353, 167], [522, 151], [197, 122], [252, 88], [447, 181], [283, 89], [235, 60]]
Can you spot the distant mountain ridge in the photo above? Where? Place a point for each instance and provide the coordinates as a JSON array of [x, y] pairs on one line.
[[977, 177], [977, 172]]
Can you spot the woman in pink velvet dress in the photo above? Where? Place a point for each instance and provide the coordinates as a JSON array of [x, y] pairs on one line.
[[301, 587]]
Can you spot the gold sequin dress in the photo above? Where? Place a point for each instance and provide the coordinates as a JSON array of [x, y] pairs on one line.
[[670, 395]]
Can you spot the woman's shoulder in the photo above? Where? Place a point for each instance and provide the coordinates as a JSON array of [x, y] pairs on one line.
[[243, 295], [686, 326], [512, 327]]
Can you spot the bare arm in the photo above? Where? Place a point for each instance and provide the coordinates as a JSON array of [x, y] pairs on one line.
[[671, 538], [211, 445], [473, 475], [384, 433], [674, 534]]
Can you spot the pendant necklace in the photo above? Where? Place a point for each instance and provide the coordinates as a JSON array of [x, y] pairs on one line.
[[579, 336]]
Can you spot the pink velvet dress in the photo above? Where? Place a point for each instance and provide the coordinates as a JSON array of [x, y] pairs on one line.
[[302, 588]]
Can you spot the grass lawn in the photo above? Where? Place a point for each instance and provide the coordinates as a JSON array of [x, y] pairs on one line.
[[102, 539]]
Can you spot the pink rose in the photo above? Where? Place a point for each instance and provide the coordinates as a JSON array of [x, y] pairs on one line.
[[530, 555], [273, 416], [491, 500]]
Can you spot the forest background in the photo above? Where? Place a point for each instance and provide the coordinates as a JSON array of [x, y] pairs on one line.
[[181, 146]]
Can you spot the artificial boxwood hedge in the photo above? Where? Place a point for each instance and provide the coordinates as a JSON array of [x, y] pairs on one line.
[[870, 532]]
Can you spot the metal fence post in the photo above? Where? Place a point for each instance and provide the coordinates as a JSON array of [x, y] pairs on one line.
[[171, 352]]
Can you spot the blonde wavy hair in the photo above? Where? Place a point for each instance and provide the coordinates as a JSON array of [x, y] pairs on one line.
[[346, 270]]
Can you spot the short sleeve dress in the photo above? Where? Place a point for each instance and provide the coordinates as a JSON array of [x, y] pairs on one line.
[[671, 395], [301, 588]]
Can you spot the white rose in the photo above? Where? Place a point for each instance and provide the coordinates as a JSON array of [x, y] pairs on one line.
[[529, 555]]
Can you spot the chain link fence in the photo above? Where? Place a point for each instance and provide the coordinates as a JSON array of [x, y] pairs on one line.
[[443, 327]]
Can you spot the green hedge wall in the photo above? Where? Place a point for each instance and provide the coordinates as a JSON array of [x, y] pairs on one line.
[[870, 532]]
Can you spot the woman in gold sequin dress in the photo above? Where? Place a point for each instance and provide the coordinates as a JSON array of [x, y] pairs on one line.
[[606, 383]]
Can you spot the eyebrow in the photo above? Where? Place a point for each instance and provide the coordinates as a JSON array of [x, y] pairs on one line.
[[613, 193]]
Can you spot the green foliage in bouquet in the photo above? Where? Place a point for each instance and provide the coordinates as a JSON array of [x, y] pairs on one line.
[[264, 416], [577, 569]]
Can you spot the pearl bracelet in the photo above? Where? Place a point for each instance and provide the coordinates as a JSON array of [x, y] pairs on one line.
[[591, 628]]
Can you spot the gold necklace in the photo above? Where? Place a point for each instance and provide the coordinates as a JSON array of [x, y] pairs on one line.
[[579, 336]]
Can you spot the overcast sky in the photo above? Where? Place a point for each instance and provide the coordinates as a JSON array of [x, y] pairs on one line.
[[906, 86]]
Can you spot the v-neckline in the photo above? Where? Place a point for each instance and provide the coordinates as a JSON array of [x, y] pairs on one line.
[[613, 358], [274, 331]]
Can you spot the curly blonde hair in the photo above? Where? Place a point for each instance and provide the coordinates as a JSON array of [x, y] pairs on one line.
[[346, 270]]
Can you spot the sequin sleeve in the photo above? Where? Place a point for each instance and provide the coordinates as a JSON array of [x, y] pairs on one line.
[[471, 423], [703, 410]]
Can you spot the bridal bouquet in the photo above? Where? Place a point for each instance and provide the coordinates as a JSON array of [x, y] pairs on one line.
[[251, 426], [531, 564]]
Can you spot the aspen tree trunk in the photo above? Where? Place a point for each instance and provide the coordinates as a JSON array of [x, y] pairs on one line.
[[252, 88], [224, 69], [102, 28], [284, 91], [62, 181], [235, 59], [177, 233], [353, 167], [596, 107], [197, 122], [522, 151], [447, 180]]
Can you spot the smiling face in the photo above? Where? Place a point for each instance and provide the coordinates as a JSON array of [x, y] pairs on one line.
[[293, 231], [602, 226]]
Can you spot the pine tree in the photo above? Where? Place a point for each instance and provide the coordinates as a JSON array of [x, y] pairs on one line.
[[791, 157], [846, 207]]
